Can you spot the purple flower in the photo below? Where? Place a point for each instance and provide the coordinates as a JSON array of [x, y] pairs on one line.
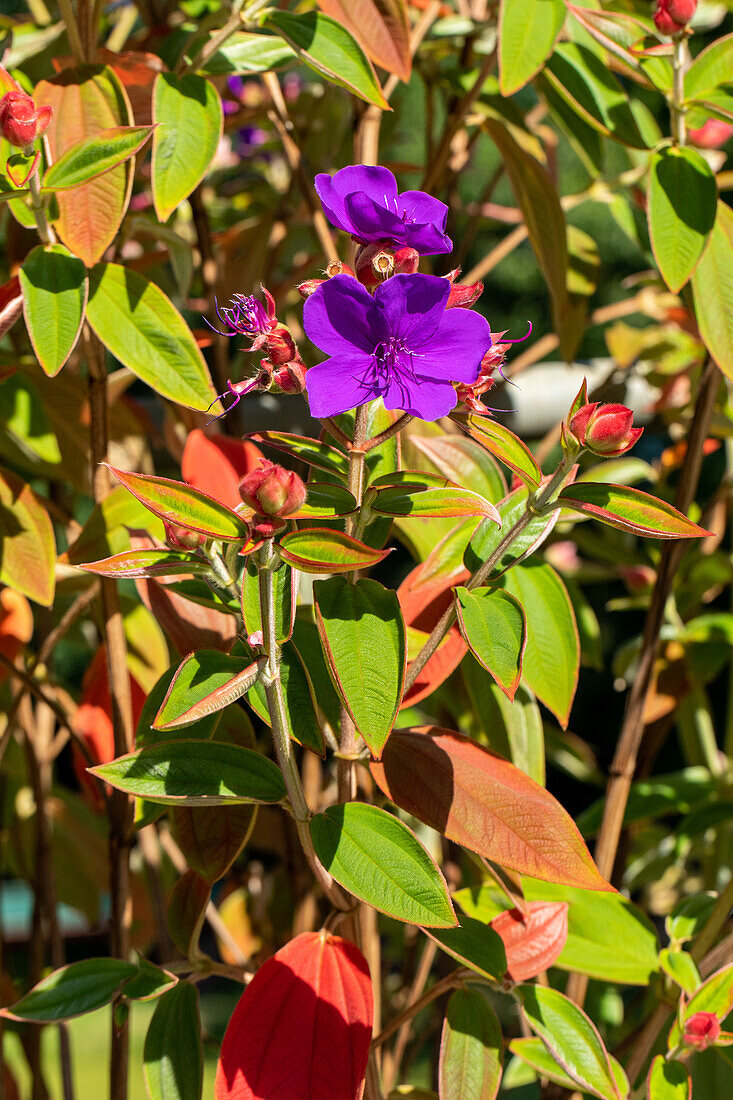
[[364, 201], [400, 345]]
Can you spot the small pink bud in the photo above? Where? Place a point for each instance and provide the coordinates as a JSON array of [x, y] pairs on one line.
[[255, 639], [605, 429], [406, 261], [701, 1030], [309, 287], [280, 345], [272, 491], [290, 378], [180, 538], [21, 121], [681, 11], [672, 16]]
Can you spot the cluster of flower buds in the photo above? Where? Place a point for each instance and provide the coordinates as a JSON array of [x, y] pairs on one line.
[[181, 538], [672, 16], [282, 368], [273, 493], [701, 1030], [376, 262], [21, 122], [606, 430]]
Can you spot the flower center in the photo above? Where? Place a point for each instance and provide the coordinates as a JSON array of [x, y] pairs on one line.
[[391, 365]]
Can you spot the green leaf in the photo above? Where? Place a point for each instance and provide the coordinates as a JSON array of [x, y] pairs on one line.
[[382, 26], [177, 503], [711, 67], [407, 500], [668, 1080], [195, 773], [680, 967], [493, 624], [511, 728], [460, 459], [379, 860], [552, 656], [300, 701], [363, 636], [94, 156], [189, 118], [143, 330], [689, 916], [205, 682], [147, 563], [609, 938], [586, 82], [173, 1056], [712, 285], [310, 451], [328, 48], [72, 990], [527, 33], [325, 501], [681, 206], [474, 944], [543, 215], [186, 913], [249, 53], [25, 420], [504, 444], [629, 509], [27, 547], [535, 1054], [55, 289], [571, 1038], [285, 582], [149, 983], [320, 550], [471, 1049]]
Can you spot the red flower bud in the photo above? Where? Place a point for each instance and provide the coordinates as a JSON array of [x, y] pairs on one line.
[[376, 262], [335, 267], [21, 122], [406, 261], [290, 378], [272, 491], [605, 429], [701, 1030], [308, 287], [280, 345], [464, 297], [711, 135], [672, 16], [180, 538]]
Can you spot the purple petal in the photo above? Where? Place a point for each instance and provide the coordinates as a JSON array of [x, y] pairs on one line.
[[422, 209], [341, 317], [412, 306], [378, 183], [372, 221], [428, 400], [455, 349], [335, 385], [427, 240]]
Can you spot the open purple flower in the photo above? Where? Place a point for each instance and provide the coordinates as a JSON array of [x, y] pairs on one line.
[[364, 201], [401, 345]]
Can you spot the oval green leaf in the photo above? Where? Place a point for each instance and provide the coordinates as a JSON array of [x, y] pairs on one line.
[[320, 550], [527, 32], [94, 156], [195, 773], [245, 52], [364, 641], [475, 945], [330, 49], [471, 1049], [325, 501], [177, 503], [205, 682], [173, 1056], [630, 510], [551, 661], [428, 503], [147, 563], [71, 991], [494, 626], [380, 860], [504, 444], [310, 451], [571, 1038], [668, 1080], [142, 328], [189, 118], [535, 1054], [682, 202], [55, 289], [712, 285]]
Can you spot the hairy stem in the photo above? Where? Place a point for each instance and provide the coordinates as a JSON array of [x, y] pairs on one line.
[[680, 65]]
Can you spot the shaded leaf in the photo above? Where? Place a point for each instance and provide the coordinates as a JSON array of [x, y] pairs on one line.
[[493, 624], [205, 682], [475, 945], [320, 550], [27, 548], [55, 288], [300, 701], [668, 1080], [682, 204], [173, 1056], [72, 990], [189, 118], [471, 1049], [533, 940], [712, 285], [211, 837]]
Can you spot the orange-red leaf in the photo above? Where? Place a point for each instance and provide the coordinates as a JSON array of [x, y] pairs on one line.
[[84, 104], [381, 26], [16, 625], [303, 1026], [480, 800], [216, 464], [422, 605], [534, 941]]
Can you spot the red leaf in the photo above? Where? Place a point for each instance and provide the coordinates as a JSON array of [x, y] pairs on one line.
[[93, 722], [422, 606], [216, 464], [381, 26], [137, 72], [483, 802], [11, 304], [303, 1026], [534, 941], [16, 625]]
